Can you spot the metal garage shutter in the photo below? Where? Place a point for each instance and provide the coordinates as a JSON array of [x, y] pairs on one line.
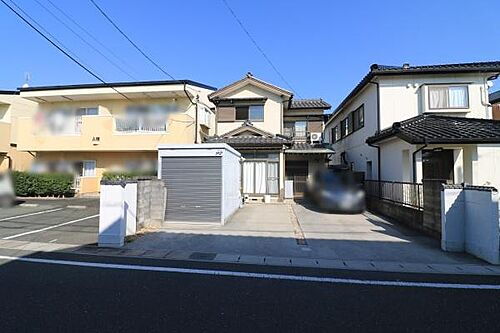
[[194, 188]]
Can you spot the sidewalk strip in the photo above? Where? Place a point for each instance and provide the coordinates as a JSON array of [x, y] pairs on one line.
[[48, 228], [30, 214], [266, 276]]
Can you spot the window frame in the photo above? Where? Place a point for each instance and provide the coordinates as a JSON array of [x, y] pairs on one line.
[[350, 124], [448, 86], [248, 112]]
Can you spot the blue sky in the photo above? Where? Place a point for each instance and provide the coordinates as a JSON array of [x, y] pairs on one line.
[[323, 48]]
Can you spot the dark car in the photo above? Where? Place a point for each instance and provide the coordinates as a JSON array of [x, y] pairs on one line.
[[337, 191]]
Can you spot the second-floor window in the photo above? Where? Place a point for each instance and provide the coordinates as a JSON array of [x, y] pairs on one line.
[[448, 97], [251, 112]]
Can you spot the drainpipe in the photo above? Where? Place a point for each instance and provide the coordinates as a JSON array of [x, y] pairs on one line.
[[378, 130], [414, 162], [196, 113]]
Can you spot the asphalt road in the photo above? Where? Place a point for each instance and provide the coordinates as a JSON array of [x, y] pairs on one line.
[[55, 297]]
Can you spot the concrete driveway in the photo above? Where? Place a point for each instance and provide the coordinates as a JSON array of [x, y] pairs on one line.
[[301, 231]]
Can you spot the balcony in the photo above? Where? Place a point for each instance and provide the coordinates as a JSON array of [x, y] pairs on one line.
[[4, 137], [105, 133]]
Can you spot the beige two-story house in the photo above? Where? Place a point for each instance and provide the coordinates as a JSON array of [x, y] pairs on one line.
[[89, 129], [278, 136], [409, 123], [12, 107]]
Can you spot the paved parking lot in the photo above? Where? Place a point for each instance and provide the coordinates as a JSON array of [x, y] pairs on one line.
[[60, 221]]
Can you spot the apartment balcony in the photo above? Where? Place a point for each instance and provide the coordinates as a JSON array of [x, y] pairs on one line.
[[104, 133], [4, 137]]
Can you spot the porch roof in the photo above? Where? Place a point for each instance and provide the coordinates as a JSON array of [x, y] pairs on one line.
[[250, 141], [307, 148], [431, 129]]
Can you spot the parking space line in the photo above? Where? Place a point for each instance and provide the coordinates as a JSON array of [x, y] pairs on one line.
[[30, 214], [51, 227]]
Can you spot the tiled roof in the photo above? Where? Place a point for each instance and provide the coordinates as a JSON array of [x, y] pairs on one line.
[[250, 141], [313, 103], [495, 97], [379, 70], [442, 129], [307, 148], [486, 66]]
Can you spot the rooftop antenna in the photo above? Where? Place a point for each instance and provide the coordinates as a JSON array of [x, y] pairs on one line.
[[27, 79]]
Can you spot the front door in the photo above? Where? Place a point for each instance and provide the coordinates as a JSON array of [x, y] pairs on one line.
[[297, 171], [438, 164]]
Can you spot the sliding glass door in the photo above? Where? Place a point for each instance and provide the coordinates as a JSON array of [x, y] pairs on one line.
[[260, 177]]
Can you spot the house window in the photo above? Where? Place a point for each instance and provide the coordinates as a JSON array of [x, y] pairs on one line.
[[335, 134], [448, 97], [358, 118], [252, 113], [344, 127]]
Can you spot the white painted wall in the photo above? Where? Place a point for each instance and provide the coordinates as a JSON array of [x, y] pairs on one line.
[[354, 145], [470, 222], [486, 165], [231, 179]]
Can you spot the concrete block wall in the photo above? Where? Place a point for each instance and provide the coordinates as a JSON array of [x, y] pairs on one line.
[[471, 222], [151, 203]]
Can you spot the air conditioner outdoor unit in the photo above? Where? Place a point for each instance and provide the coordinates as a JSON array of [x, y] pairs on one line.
[[315, 137]]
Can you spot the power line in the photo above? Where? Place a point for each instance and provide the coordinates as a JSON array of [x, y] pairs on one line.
[[47, 32], [90, 34], [130, 41], [84, 40], [58, 47], [256, 45]]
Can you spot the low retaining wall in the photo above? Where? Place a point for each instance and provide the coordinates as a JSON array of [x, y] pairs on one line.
[[470, 221], [411, 217]]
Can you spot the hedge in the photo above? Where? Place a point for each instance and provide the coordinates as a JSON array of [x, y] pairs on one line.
[[28, 184], [123, 175]]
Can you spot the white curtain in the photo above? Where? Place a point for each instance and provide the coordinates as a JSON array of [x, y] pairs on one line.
[[272, 178], [458, 97], [438, 97], [248, 177], [260, 177]]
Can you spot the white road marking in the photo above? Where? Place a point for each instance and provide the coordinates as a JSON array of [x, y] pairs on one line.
[[30, 214], [48, 228], [266, 276], [53, 241]]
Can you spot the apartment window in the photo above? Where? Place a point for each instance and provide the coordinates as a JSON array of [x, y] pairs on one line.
[[88, 168], [252, 113], [448, 97], [92, 111], [358, 118]]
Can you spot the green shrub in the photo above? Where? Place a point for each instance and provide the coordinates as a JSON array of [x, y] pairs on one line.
[[28, 184], [123, 175]]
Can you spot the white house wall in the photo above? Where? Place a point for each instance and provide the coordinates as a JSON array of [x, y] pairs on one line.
[[403, 97], [357, 151]]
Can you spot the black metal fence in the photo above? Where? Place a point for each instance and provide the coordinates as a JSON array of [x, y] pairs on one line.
[[401, 193]]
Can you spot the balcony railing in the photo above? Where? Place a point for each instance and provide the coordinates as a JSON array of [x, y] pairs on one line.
[[140, 124]]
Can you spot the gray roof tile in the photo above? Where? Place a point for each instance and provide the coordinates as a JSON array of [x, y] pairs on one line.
[[442, 129], [311, 103]]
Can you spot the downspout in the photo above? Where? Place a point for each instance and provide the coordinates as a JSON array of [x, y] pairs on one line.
[[196, 113], [379, 164], [414, 162]]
